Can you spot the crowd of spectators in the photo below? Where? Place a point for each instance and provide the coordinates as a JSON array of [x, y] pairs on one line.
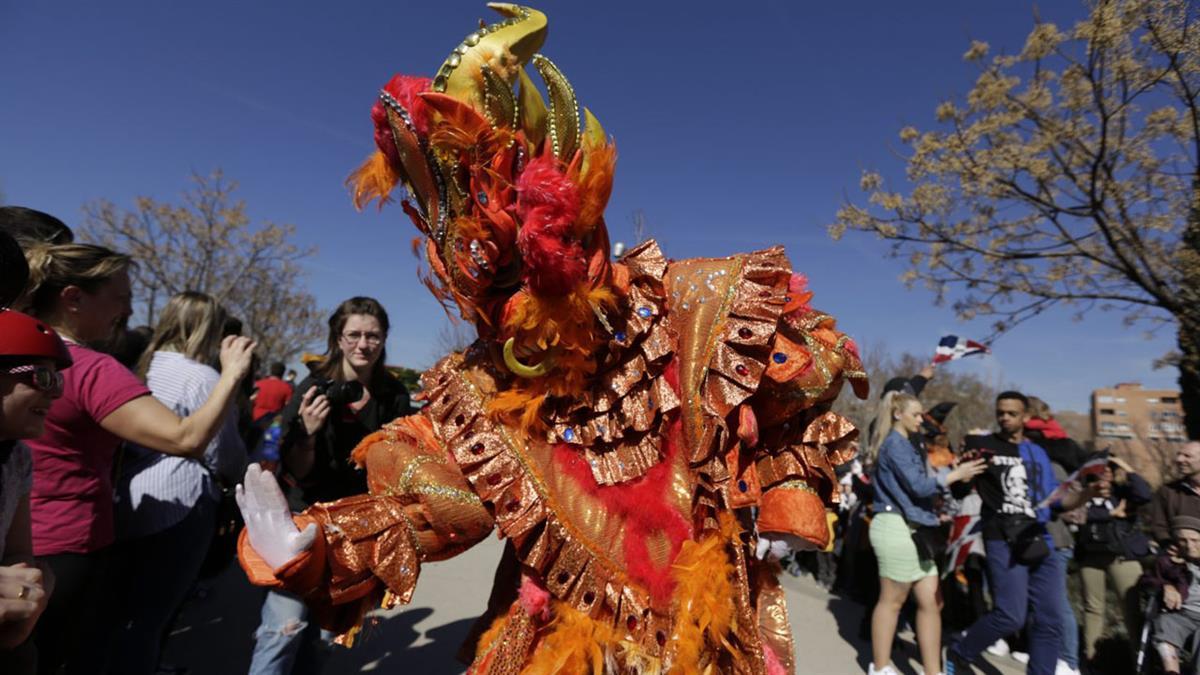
[[987, 537], [120, 449]]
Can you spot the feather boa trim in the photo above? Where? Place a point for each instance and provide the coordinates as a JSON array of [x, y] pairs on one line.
[[574, 643]]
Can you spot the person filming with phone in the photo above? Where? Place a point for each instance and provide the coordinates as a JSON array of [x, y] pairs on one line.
[[348, 395]]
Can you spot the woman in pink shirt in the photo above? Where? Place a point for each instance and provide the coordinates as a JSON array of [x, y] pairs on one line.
[[83, 292]]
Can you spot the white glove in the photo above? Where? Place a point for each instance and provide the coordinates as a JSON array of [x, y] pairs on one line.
[[772, 546], [273, 534]]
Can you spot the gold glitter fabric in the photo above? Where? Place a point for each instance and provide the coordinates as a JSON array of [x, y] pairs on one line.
[[693, 417], [629, 426], [773, 624], [616, 423], [419, 508]]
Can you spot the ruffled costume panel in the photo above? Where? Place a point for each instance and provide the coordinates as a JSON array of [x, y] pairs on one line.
[[692, 363]]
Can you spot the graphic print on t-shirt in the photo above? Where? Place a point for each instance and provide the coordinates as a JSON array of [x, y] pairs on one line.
[[1015, 483]]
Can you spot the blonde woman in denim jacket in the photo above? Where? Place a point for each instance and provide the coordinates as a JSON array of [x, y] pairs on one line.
[[904, 492]]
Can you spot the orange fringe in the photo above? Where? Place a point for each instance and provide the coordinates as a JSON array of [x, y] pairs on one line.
[[566, 324], [595, 187], [486, 645], [704, 591], [577, 644], [459, 128], [374, 179]]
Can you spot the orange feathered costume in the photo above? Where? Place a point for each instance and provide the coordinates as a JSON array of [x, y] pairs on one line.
[[631, 427]]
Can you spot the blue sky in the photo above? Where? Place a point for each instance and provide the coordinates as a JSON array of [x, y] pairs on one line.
[[738, 125]]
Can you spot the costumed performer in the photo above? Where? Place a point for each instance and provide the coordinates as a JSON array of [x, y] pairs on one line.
[[646, 434]]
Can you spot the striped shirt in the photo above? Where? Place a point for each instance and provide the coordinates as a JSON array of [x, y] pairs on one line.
[[156, 491]]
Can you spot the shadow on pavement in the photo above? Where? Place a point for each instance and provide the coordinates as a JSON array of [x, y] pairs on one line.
[[389, 647], [214, 633], [849, 616], [906, 656]]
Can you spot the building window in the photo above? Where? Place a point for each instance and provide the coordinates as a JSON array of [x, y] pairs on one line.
[[1170, 400], [1104, 399], [1107, 411], [1152, 400]]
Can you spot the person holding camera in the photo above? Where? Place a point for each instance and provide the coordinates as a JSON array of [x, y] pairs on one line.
[[906, 532], [1110, 545], [348, 395], [1026, 579]]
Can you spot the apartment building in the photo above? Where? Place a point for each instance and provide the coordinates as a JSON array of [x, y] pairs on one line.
[[1142, 425]]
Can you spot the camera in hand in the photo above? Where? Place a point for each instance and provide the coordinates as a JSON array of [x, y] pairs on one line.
[[338, 393]]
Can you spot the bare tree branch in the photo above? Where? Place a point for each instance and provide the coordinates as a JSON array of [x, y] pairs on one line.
[[208, 244]]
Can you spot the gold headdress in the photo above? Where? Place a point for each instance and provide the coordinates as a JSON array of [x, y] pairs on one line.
[[509, 193]]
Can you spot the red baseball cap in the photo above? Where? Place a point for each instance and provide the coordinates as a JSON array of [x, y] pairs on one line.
[[22, 335]]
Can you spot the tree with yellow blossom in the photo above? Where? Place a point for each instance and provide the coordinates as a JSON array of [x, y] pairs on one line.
[[1068, 177]]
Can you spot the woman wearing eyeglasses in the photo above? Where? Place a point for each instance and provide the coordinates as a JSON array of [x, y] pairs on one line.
[[348, 394], [83, 292], [31, 357]]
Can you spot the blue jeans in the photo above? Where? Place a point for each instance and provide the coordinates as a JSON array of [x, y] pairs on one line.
[[1070, 625], [162, 567], [1036, 591], [283, 634]]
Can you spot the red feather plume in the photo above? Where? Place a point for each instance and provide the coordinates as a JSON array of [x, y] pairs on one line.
[[405, 89], [548, 204]]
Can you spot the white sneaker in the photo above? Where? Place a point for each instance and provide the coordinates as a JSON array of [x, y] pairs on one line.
[[886, 670], [998, 648], [1062, 668], [1020, 657]]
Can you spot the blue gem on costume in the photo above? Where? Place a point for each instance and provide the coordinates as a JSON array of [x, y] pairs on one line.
[[779, 357], [482, 198], [644, 312], [742, 485], [569, 435], [619, 335]]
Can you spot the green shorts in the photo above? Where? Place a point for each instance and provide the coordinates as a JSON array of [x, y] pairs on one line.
[[894, 547]]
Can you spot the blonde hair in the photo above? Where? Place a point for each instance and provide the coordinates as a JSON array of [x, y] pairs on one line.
[[53, 267], [1039, 409], [191, 325], [891, 404]]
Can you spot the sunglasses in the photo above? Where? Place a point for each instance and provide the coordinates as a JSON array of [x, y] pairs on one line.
[[44, 378]]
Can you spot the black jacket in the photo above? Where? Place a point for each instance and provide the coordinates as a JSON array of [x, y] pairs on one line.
[[1105, 534], [333, 475]]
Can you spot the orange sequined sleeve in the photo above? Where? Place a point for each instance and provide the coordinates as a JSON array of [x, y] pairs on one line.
[[799, 483], [370, 547], [802, 439]]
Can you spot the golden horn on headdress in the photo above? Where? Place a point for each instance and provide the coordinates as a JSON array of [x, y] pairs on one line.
[[532, 111], [503, 47], [564, 109]]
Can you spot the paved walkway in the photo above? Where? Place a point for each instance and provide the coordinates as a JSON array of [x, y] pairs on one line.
[[215, 633]]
